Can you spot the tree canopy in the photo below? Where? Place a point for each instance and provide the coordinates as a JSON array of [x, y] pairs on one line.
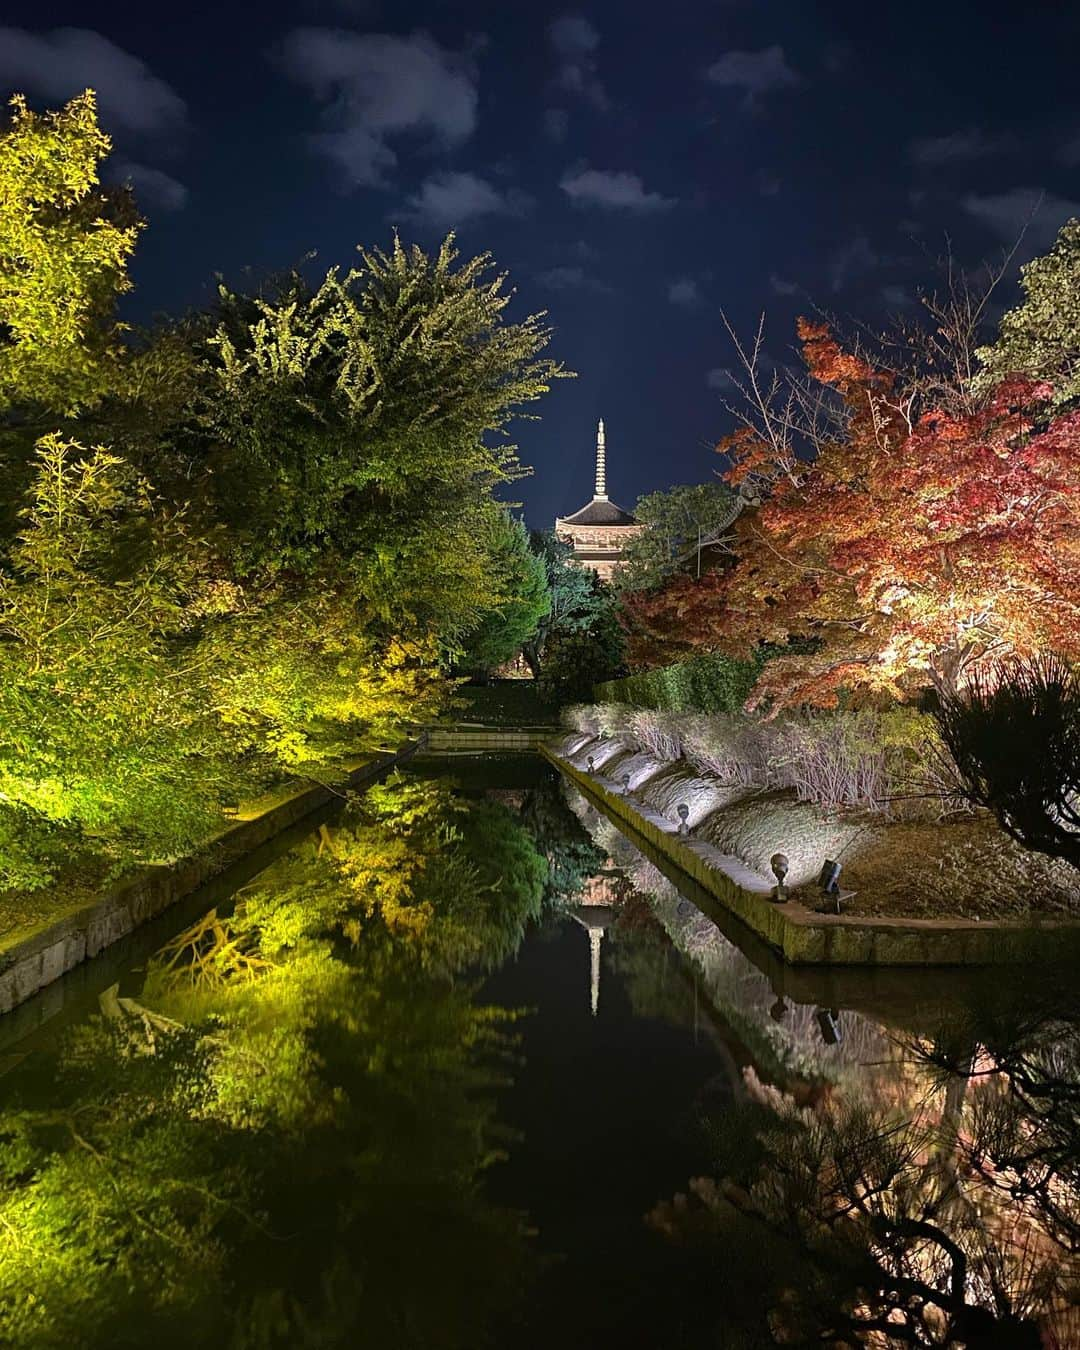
[[249, 539], [680, 520], [1040, 338], [64, 250], [519, 578]]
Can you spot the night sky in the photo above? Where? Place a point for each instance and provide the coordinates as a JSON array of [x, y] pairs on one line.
[[635, 167]]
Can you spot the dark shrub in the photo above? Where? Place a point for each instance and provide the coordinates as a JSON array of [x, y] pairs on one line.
[[1015, 739]]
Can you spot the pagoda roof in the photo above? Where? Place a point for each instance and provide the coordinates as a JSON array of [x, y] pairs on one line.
[[599, 512]]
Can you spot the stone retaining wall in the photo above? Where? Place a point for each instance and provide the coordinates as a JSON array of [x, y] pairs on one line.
[[804, 937], [31, 962]]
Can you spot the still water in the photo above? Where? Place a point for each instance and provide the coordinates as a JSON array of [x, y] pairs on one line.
[[464, 1068]]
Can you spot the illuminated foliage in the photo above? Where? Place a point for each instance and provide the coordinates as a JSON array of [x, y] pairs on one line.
[[578, 599], [348, 423], [577, 659], [679, 520], [673, 620], [521, 579], [282, 530], [913, 552], [99, 730], [1040, 338], [64, 248], [226, 1159]]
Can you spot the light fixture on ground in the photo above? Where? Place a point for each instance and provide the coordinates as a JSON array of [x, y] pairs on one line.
[[829, 881], [780, 866], [683, 812]]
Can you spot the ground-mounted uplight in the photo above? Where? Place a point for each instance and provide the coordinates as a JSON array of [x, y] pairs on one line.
[[829, 881], [590, 763], [626, 784], [780, 866], [683, 812], [828, 1019]]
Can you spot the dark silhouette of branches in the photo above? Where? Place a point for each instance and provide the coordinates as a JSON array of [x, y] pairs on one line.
[[1014, 735]]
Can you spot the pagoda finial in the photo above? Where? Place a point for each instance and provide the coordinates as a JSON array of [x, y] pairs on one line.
[[601, 463]]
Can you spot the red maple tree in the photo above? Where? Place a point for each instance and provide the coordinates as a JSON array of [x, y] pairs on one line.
[[917, 546], [674, 620]]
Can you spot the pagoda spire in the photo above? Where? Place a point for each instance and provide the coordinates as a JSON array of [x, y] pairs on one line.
[[601, 465]]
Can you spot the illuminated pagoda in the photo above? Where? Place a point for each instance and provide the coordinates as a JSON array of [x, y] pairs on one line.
[[600, 531]]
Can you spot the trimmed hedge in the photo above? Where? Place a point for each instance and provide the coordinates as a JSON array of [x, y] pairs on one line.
[[709, 683]]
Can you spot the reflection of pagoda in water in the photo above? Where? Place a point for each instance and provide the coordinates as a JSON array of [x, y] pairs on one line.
[[595, 911]]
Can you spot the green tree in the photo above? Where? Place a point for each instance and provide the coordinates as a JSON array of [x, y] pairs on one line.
[[102, 732], [575, 661], [519, 578], [1040, 338], [578, 597], [364, 421], [64, 249], [283, 528], [679, 521]]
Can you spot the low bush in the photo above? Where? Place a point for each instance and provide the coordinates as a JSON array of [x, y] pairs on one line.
[[583, 717], [660, 733], [1015, 739]]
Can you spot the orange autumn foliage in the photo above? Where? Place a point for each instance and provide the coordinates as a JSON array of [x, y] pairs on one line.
[[914, 551], [676, 620], [916, 547]]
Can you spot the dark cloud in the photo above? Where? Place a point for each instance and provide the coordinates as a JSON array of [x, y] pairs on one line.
[[721, 379], [767, 183], [153, 189], [685, 292], [779, 286], [571, 279], [755, 73], [896, 297], [61, 63], [852, 261], [375, 88], [447, 200], [574, 41], [1027, 211], [613, 189], [931, 151], [556, 124], [1069, 151]]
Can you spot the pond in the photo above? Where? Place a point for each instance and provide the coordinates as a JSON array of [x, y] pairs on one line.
[[462, 1067]]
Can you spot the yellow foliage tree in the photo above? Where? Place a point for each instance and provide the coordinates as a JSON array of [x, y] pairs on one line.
[[64, 249]]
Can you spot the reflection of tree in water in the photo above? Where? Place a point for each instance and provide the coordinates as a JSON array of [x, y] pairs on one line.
[[279, 1142], [930, 1197], [785, 1042], [572, 856], [950, 1217]]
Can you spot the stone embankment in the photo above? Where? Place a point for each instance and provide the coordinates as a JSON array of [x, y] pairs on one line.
[[725, 846], [31, 961]]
